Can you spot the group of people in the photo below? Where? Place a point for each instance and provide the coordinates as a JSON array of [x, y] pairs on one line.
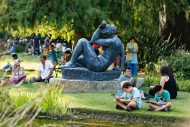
[[130, 98], [18, 72], [50, 51]]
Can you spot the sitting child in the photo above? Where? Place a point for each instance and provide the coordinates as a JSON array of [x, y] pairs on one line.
[[18, 75], [52, 55], [67, 56], [131, 99], [162, 98]]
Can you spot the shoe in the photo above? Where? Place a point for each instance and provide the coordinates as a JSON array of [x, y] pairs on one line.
[[17, 85], [30, 82]]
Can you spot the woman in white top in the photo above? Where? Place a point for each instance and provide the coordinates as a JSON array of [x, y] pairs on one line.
[[18, 75]]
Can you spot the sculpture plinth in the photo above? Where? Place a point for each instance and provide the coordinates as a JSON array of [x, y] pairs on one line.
[[84, 74]]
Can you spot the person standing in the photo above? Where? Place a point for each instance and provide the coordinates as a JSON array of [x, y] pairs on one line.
[[36, 44], [132, 60]]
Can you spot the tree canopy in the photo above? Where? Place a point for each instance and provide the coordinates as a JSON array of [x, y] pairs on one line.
[[73, 19]]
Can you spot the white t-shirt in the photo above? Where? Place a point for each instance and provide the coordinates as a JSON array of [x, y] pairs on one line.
[[45, 72], [63, 49]]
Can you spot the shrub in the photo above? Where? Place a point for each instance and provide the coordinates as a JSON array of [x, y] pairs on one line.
[[153, 48], [53, 103], [151, 80], [179, 62]]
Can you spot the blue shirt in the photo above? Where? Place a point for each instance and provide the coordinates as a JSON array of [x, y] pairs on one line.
[[53, 56], [36, 41], [134, 94], [12, 49], [120, 80], [134, 55], [163, 97]]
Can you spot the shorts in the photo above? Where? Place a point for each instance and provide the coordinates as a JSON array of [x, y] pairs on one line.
[[160, 106]]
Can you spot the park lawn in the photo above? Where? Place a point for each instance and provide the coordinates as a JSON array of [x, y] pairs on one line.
[[94, 100], [103, 101]]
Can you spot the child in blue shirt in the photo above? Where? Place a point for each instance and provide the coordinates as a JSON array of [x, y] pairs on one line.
[[131, 99], [162, 98]]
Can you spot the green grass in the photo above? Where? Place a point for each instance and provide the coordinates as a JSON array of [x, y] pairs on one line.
[[99, 100], [104, 101]]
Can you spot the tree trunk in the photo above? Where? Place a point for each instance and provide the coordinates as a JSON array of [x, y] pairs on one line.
[[78, 35], [162, 20]]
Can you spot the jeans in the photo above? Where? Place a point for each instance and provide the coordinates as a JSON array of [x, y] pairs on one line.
[[7, 67], [133, 68], [36, 51]]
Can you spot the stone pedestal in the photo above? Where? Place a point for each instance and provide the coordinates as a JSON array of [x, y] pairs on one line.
[[84, 74], [85, 86]]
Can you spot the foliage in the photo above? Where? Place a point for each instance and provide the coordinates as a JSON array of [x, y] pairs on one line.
[[54, 104], [151, 80], [10, 114], [73, 19], [179, 62], [153, 48]]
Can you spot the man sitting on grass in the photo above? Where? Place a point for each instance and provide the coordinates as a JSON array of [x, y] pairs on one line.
[[162, 98], [131, 99], [45, 71]]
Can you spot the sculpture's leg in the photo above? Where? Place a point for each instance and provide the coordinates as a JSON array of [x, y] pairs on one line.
[[81, 61], [83, 47]]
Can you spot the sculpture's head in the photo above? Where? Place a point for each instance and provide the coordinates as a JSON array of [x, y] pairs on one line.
[[108, 31]]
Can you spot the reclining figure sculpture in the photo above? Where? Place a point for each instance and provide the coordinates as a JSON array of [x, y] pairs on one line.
[[85, 56]]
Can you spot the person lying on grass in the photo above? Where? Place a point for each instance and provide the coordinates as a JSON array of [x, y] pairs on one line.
[[162, 98], [131, 99]]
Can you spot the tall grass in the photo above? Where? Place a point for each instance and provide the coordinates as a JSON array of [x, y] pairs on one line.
[[26, 106]]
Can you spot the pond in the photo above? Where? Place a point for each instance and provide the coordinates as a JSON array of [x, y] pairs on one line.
[[84, 123]]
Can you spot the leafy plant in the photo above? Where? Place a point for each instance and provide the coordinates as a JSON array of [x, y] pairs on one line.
[[153, 48], [179, 62], [54, 103]]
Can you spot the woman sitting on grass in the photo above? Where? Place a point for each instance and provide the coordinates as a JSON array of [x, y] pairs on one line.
[[162, 98], [18, 75], [167, 82]]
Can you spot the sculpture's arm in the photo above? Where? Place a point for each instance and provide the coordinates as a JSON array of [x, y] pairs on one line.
[[122, 60], [103, 42], [95, 36]]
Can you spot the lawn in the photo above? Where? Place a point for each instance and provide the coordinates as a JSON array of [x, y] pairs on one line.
[[104, 101], [96, 100]]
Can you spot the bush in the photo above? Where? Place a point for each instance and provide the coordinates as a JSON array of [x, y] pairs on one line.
[[179, 62], [151, 80], [153, 48]]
